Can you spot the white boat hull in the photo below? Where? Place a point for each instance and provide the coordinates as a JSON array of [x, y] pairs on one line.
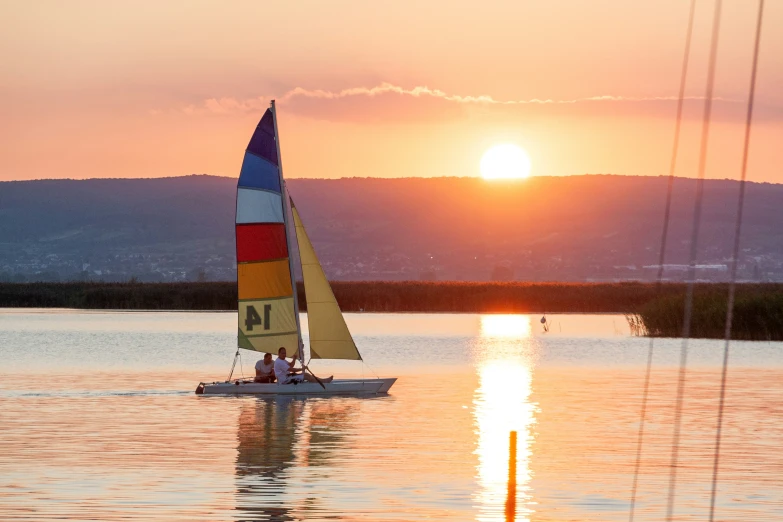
[[336, 387]]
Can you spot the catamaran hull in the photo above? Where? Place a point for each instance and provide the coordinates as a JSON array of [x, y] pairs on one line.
[[336, 387]]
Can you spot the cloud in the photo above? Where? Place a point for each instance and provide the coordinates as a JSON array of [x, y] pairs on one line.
[[424, 91], [392, 103]]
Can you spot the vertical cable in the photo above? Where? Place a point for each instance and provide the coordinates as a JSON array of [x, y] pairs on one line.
[[734, 262], [231, 373], [662, 254], [697, 207]]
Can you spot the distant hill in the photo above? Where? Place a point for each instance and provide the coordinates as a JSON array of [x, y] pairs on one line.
[[591, 227]]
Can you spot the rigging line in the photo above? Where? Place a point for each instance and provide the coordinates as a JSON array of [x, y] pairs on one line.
[[233, 365], [370, 368], [662, 254], [734, 262], [697, 208]]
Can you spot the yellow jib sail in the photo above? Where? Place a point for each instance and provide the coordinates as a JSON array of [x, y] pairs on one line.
[[329, 335]]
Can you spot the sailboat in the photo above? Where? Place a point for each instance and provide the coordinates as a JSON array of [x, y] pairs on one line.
[[266, 224]]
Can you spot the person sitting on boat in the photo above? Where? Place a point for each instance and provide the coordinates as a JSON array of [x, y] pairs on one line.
[[265, 369], [287, 374]]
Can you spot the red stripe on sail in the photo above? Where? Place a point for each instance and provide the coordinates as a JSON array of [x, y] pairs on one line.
[[260, 242]]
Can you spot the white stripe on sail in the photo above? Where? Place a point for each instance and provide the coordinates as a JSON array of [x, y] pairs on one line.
[[258, 206]]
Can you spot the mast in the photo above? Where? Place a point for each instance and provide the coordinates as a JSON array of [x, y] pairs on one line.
[[283, 191]]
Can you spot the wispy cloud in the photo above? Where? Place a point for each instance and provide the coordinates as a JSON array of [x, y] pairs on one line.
[[424, 91], [390, 102], [229, 105]]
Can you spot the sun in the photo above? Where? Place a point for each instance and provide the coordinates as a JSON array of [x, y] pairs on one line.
[[505, 161]]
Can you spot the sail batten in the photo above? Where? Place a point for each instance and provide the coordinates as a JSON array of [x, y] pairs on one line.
[[329, 335], [266, 303]]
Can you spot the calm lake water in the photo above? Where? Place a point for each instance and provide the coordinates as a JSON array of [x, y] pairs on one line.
[[98, 421]]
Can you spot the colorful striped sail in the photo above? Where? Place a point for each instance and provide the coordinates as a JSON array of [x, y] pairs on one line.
[[329, 335], [267, 308]]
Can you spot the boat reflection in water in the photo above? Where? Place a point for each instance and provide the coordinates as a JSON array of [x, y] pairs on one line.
[[276, 438], [505, 354]]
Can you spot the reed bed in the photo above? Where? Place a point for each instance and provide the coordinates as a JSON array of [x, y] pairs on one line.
[[758, 314], [120, 296], [651, 310], [510, 297]]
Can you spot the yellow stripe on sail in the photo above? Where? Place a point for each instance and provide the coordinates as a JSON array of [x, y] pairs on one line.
[[266, 279], [271, 343], [329, 335], [267, 316]]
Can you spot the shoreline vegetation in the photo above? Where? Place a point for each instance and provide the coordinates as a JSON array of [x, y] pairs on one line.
[[651, 310], [757, 314]]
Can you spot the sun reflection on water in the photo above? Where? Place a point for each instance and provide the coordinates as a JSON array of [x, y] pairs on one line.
[[501, 405], [505, 326]]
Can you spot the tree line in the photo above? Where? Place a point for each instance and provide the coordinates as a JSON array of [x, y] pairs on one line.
[[378, 296], [652, 309]]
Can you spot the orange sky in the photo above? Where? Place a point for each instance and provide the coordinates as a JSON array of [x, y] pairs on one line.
[[147, 88]]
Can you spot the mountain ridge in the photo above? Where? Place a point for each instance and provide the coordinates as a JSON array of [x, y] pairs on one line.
[[571, 228]]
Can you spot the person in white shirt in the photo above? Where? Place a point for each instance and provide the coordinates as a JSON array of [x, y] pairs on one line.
[[265, 369], [287, 374]]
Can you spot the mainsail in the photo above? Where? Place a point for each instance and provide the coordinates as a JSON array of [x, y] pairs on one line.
[[268, 318], [329, 335]]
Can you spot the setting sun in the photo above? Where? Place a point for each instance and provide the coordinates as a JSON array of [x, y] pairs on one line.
[[506, 161]]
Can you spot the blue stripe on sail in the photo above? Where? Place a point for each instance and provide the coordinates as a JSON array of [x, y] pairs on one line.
[[259, 173], [263, 141]]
